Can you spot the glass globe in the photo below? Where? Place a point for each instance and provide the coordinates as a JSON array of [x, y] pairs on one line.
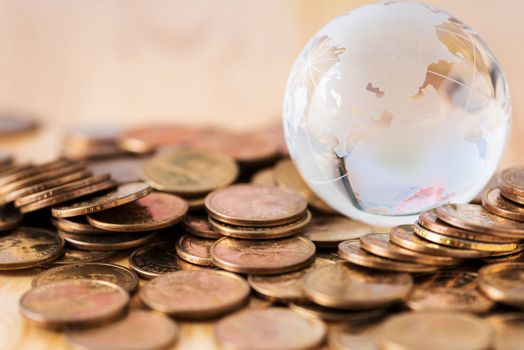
[[395, 108]]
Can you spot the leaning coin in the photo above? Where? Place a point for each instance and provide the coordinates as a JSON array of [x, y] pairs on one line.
[[249, 329], [351, 251], [195, 294], [76, 224], [28, 247], [79, 301], [194, 249], [448, 291], [329, 230], [198, 225], [435, 330], [132, 332], [511, 184], [503, 282], [10, 217], [509, 331], [113, 273], [346, 286], [118, 241], [494, 202], [22, 172], [263, 257], [75, 256], [123, 194], [153, 212], [250, 205]]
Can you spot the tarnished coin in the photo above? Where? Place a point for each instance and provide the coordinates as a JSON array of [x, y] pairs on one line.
[[330, 230], [351, 251], [448, 291], [494, 202], [122, 169], [258, 232], [10, 217], [435, 330], [123, 194], [474, 217], [153, 212], [379, 244], [24, 171], [333, 315], [28, 247], [195, 294], [404, 236], [75, 256], [76, 224], [509, 331], [190, 172], [346, 286], [249, 329], [117, 241], [264, 177], [194, 249], [147, 139], [74, 302], [132, 332], [503, 282], [198, 225], [113, 273], [263, 257], [250, 205], [511, 183], [430, 221]]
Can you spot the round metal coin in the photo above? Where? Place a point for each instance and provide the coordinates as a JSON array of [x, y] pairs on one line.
[[511, 183], [198, 225], [494, 202], [194, 249], [503, 282], [75, 256], [330, 230], [118, 241]]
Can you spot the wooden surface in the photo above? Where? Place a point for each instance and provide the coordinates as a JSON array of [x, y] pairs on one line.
[[131, 62]]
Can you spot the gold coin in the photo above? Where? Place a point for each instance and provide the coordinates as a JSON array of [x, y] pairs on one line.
[[462, 243], [346, 286], [249, 329], [76, 224], [123, 194], [329, 230], [287, 176], [435, 330], [250, 205], [74, 302], [448, 291], [333, 315], [122, 169], [405, 237], [379, 244], [194, 249], [503, 282], [351, 251], [509, 331], [495, 203], [116, 274], [131, 332], [198, 225], [153, 212], [261, 233], [264, 177], [430, 221], [195, 294], [511, 184], [76, 256], [10, 217], [474, 217], [118, 241], [28, 247], [263, 257], [190, 172]]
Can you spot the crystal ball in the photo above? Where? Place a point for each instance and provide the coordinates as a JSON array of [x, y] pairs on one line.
[[395, 108]]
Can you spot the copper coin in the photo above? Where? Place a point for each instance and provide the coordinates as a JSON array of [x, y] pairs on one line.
[[153, 212], [74, 302], [147, 139], [10, 217], [116, 274], [405, 237], [509, 330], [28, 247], [75, 256], [196, 204], [430, 221], [198, 225], [249, 329], [11, 124], [346, 286], [107, 242], [503, 282], [123, 194], [6, 160], [330, 230], [76, 224], [190, 172], [122, 170], [448, 291], [264, 177], [474, 217], [130, 333], [263, 257], [250, 205], [351, 251], [194, 249], [257, 232], [379, 244], [32, 171], [328, 314], [363, 334], [157, 259], [511, 184], [495, 203], [195, 294]]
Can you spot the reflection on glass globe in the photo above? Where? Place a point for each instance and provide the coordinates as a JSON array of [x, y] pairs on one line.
[[395, 108]]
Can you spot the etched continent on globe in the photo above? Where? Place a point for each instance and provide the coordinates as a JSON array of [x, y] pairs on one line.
[[395, 108]]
